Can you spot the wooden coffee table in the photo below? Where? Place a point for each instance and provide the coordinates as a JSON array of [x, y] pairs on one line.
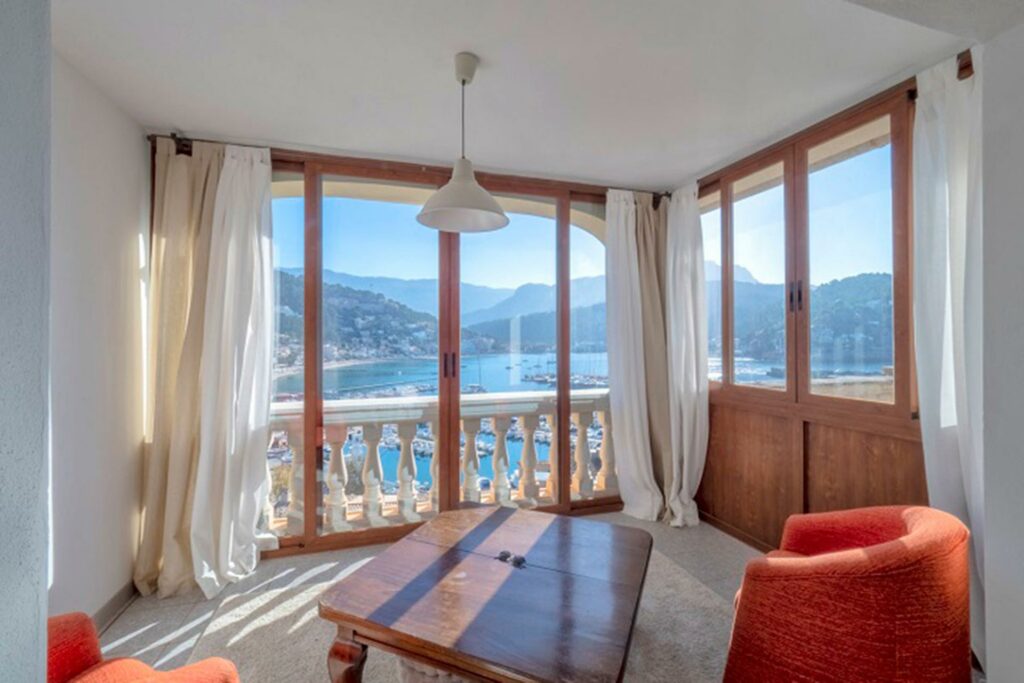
[[442, 598]]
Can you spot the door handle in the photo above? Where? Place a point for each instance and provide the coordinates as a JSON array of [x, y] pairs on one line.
[[445, 363], [800, 295], [791, 297]]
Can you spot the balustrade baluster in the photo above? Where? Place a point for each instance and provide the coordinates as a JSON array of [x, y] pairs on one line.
[[528, 489], [337, 479], [407, 473], [607, 479], [373, 500], [471, 461], [296, 487], [501, 486], [551, 486], [582, 481], [435, 480]]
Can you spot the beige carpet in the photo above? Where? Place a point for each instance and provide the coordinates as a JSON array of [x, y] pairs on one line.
[[682, 633]]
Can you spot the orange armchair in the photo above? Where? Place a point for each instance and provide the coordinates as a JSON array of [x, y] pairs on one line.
[[73, 654], [875, 594]]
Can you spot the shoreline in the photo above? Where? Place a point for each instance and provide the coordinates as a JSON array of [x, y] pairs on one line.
[[351, 362]]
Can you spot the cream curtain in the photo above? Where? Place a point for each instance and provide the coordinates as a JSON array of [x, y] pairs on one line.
[[184, 191], [651, 240], [686, 313], [657, 352], [948, 302], [210, 276], [230, 481], [639, 491]]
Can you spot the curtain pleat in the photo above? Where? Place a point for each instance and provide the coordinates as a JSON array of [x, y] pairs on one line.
[[686, 313], [638, 489], [208, 392], [657, 352], [234, 376], [184, 192], [948, 303], [651, 240]]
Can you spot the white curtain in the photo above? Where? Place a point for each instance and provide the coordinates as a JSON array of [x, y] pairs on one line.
[[687, 354], [948, 302], [230, 478], [637, 488]]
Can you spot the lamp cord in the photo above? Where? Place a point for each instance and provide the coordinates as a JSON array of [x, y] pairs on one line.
[[463, 118]]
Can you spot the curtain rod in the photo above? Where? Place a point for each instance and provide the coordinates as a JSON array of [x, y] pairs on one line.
[[183, 143]]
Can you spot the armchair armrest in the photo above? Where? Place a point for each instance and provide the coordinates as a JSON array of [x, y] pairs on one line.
[[72, 646], [827, 532]]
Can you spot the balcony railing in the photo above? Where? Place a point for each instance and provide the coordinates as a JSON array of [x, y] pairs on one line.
[[359, 493]]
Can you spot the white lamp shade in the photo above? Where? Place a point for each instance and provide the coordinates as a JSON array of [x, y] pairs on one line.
[[462, 205]]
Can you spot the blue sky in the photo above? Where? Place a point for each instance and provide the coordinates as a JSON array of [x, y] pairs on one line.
[[390, 243], [850, 232], [850, 229]]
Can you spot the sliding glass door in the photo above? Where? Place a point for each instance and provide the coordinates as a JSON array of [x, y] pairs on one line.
[[379, 348], [417, 371], [508, 366]]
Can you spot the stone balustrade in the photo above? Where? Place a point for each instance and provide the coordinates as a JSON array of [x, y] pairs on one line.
[[359, 493]]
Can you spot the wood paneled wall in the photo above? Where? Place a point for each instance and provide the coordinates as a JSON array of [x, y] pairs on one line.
[[763, 466]]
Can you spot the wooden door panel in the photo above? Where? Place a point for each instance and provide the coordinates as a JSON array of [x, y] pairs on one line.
[[847, 468], [753, 476]]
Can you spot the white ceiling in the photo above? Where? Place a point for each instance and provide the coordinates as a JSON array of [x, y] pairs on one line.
[[641, 94], [978, 20]]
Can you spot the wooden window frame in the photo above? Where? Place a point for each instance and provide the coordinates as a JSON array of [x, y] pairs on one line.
[[314, 167], [899, 417]]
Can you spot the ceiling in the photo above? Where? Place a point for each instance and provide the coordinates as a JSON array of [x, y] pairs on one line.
[[978, 20], [646, 94]]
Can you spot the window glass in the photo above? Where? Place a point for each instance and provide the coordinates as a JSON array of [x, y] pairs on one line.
[[711, 232], [509, 360], [759, 279], [283, 514], [850, 294], [593, 461]]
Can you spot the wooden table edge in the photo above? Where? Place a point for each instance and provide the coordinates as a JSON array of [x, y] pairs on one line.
[[353, 629]]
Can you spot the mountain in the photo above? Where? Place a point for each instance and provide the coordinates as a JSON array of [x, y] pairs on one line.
[[535, 298], [356, 323], [850, 318], [419, 295], [536, 332], [713, 273]]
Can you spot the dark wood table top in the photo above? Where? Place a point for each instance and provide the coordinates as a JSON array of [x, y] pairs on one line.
[[441, 597]]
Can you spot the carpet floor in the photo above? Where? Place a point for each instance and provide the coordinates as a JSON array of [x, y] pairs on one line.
[[268, 625], [682, 632]]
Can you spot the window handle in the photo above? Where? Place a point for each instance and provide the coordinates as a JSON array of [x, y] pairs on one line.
[[791, 297], [800, 295], [445, 373]]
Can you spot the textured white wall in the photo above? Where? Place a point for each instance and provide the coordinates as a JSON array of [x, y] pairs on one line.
[[100, 193], [1003, 73], [24, 313]]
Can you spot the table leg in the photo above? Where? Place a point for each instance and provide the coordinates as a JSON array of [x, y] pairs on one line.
[[346, 658]]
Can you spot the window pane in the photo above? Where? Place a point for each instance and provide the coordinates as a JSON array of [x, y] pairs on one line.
[[380, 348], [508, 368], [759, 279], [283, 514], [851, 261], [592, 464], [711, 231]]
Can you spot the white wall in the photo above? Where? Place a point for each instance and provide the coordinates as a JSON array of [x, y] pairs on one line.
[[24, 312], [100, 208], [1003, 73]]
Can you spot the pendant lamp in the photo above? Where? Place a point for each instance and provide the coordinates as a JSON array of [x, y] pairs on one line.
[[462, 205]]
